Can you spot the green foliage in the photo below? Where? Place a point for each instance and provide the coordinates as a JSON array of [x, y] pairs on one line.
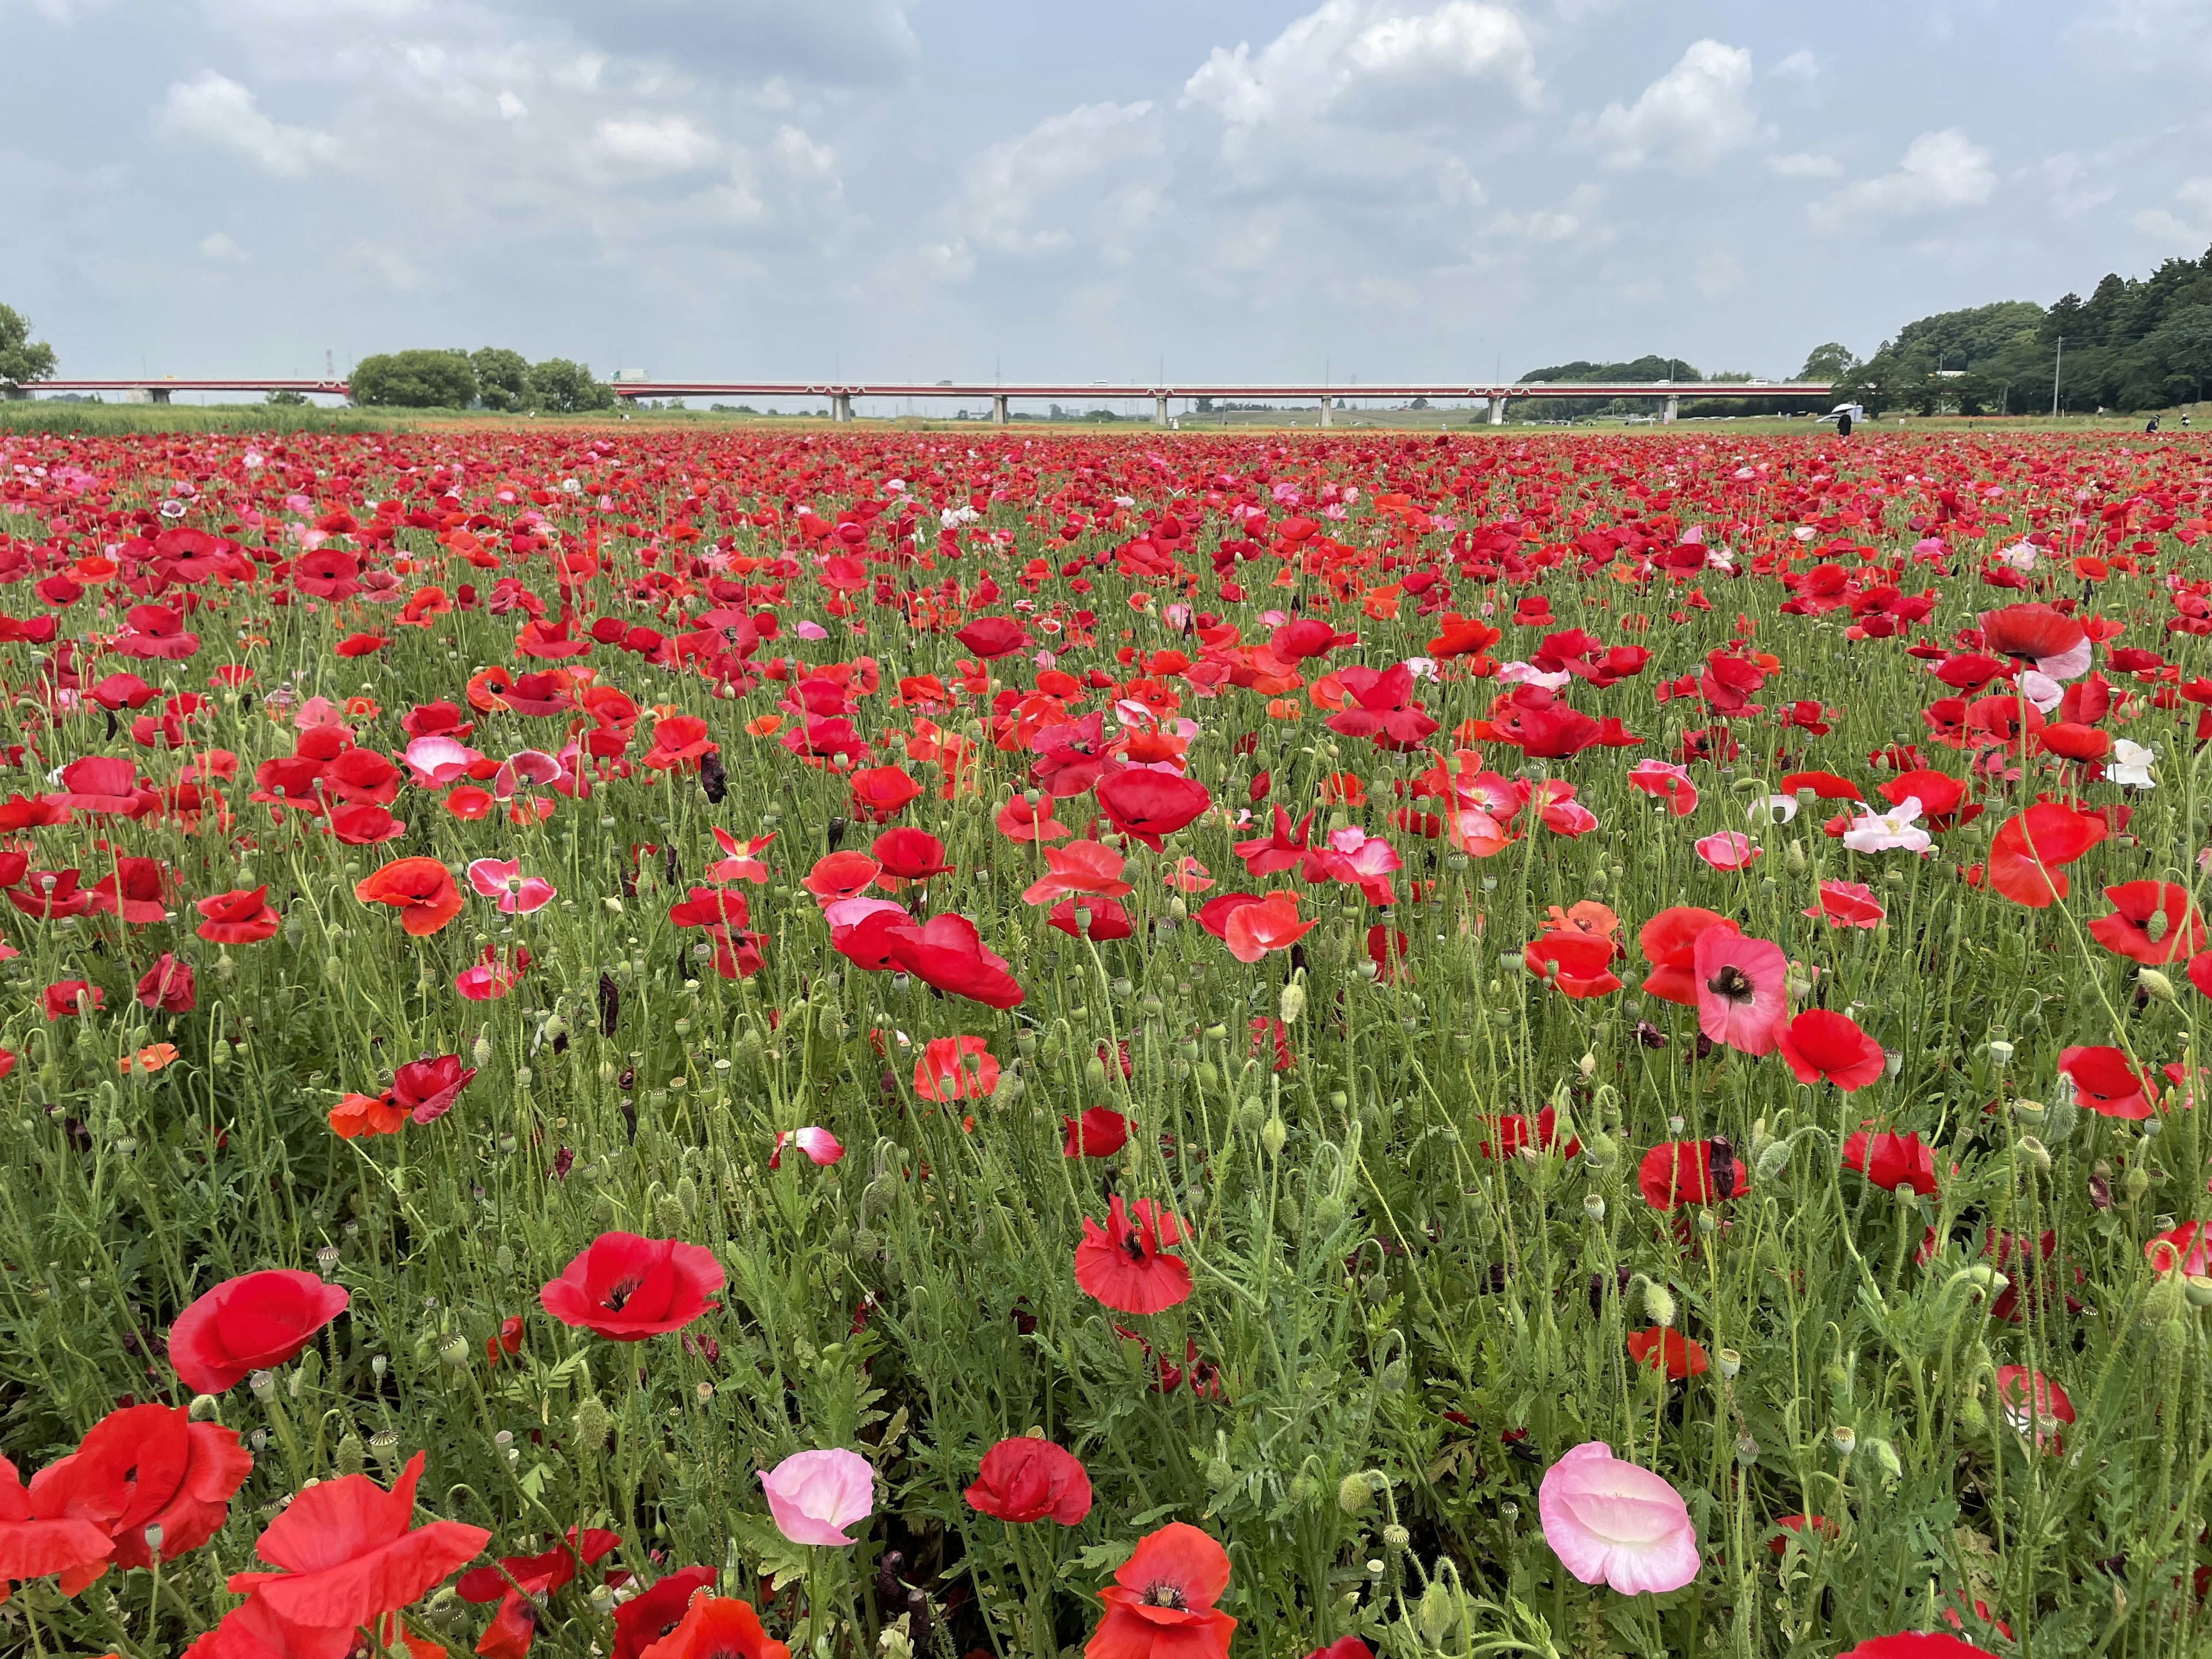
[[503, 377], [1831, 361], [567, 387], [284, 398], [23, 361], [414, 379]]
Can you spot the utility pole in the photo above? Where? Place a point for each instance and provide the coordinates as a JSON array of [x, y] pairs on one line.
[[2056, 366]]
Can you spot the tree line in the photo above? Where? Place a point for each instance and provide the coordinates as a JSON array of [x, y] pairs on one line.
[[491, 377]]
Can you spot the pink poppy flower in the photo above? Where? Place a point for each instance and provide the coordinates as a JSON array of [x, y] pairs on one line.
[[502, 878], [1671, 783], [1847, 904], [814, 1497], [434, 762], [1612, 1523], [1742, 994], [821, 1148], [1729, 849]]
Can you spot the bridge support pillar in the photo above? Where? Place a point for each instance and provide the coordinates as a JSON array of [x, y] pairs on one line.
[[1498, 412], [1324, 411], [998, 409], [1674, 407], [1159, 408], [160, 394], [841, 405], [12, 393]]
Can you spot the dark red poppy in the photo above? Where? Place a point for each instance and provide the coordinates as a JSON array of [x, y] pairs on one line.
[[425, 1089], [645, 1619], [910, 855], [1150, 805], [1124, 1264], [1026, 1479], [1100, 1132], [240, 917], [1890, 1161], [167, 987], [250, 1323], [993, 637], [2033, 633], [630, 1288], [1678, 1172], [880, 793], [521, 1583]]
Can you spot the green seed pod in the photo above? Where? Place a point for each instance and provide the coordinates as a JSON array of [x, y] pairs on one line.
[[453, 1349]]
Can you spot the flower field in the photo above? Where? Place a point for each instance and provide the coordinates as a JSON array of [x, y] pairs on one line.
[[743, 1043]]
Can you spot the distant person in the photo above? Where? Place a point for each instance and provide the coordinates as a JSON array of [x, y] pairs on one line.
[[2151, 425], [1844, 424], [2184, 420]]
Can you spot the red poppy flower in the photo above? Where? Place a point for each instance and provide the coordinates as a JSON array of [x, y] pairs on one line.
[[1669, 943], [1123, 1264], [2037, 633], [2033, 1405], [1742, 990], [955, 1068], [421, 889], [1513, 1134], [1150, 804], [629, 1288], [36, 1545], [1847, 904], [2105, 1084], [679, 744], [167, 987], [1101, 1132], [1819, 1525], [521, 1583], [1020, 819], [425, 1089], [1944, 803], [1678, 1172], [1108, 919], [239, 917], [644, 1620], [880, 793], [356, 1117], [2152, 923], [2184, 1250], [910, 855], [347, 1555], [1822, 1047], [1890, 1161], [840, 876], [2028, 853], [146, 1466], [1575, 962], [138, 891], [947, 952], [1027, 1479], [1658, 1346], [250, 1324], [1160, 1604], [993, 637], [716, 1627]]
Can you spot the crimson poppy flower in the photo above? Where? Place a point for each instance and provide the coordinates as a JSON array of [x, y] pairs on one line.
[[347, 1555], [955, 1068], [1124, 1264], [2184, 1250], [1657, 1348], [629, 1288], [1891, 1161], [35, 1545], [880, 793], [2033, 1405], [2152, 923], [426, 1089], [2105, 1083], [65, 999], [1028, 1478], [679, 744], [1678, 1172], [947, 952], [50, 895], [1344, 1647], [2055, 643], [521, 1583], [250, 1324], [2028, 853], [1819, 1525], [1742, 993], [1513, 1134], [716, 1627], [1021, 819], [421, 889], [1574, 963], [993, 637], [239, 917], [643, 1620], [839, 876], [1101, 1132], [1160, 1604], [1150, 804], [1819, 1046], [1942, 798], [146, 1466], [910, 855], [167, 987]]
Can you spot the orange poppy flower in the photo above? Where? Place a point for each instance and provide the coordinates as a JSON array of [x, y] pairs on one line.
[[421, 889]]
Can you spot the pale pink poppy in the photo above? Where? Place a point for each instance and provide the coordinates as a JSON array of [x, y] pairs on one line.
[[1742, 986], [1670, 782], [1612, 1523], [503, 879], [815, 1496], [524, 766], [820, 1146], [1729, 849], [434, 762], [740, 862]]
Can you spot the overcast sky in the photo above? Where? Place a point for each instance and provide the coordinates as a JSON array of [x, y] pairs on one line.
[[931, 188]]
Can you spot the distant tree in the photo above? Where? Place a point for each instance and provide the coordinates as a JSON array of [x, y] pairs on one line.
[[22, 359], [503, 377], [2183, 345], [287, 399], [415, 379], [567, 388], [1832, 362]]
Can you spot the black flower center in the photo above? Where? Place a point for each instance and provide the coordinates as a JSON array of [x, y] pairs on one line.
[[1731, 982], [621, 1293], [1163, 1594]]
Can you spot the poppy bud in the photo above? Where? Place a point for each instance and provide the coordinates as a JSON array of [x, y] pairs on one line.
[[1973, 1417], [1795, 857], [1772, 1163], [1220, 1473], [351, 1456], [206, 1408], [1293, 1002], [593, 1424], [1328, 1212], [1355, 1493], [1273, 1136], [1394, 1377], [1658, 1304], [2155, 982], [1602, 1152], [1438, 1611]]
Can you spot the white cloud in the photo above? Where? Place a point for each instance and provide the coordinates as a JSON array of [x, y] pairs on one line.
[[1572, 220], [2186, 231], [216, 110], [1354, 52], [1716, 273], [1799, 65], [1940, 173], [1804, 166], [1010, 183], [511, 108], [220, 248], [2147, 37], [1689, 117], [652, 145]]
